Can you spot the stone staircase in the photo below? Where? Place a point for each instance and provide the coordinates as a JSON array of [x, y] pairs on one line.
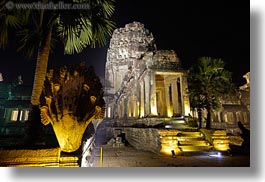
[[183, 142], [190, 141]]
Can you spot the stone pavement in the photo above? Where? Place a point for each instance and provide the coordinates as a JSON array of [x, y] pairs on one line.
[[130, 157]]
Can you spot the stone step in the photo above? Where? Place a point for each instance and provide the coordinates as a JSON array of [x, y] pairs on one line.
[[194, 148], [190, 138], [194, 143], [220, 137], [175, 121], [190, 133]]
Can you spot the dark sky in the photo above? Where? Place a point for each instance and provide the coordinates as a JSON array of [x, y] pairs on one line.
[[193, 29]]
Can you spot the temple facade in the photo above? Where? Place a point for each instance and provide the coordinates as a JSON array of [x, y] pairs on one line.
[[141, 81], [144, 82]]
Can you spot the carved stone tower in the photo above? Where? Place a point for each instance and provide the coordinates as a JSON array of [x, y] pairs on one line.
[[142, 81]]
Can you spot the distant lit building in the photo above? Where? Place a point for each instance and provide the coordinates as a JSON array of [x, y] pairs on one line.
[[14, 106]]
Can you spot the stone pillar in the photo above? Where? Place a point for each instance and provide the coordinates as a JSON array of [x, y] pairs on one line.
[[167, 98], [147, 95], [135, 107], [153, 95], [142, 103], [118, 108], [122, 108], [129, 106], [125, 111], [174, 96], [180, 95], [185, 95]]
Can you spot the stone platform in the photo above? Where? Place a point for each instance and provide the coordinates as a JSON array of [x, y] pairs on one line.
[[130, 157]]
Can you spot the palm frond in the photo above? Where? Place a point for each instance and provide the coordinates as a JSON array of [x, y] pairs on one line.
[[79, 29], [9, 22], [208, 81], [29, 42]]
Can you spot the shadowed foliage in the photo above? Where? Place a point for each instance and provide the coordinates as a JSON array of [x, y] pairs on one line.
[[37, 30], [208, 81]]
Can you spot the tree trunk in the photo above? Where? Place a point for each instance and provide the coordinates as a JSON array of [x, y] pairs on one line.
[[35, 127], [41, 69], [199, 110], [209, 118]]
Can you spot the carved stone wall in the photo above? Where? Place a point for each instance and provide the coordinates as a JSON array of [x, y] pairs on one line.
[[146, 139], [126, 48]]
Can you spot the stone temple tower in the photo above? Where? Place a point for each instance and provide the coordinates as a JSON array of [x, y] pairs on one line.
[[141, 81]]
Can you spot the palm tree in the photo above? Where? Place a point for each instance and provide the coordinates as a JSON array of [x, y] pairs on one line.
[[208, 81], [39, 29]]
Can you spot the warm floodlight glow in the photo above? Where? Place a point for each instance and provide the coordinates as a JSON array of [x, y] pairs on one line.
[[187, 108], [221, 144], [153, 110], [168, 150], [142, 112], [169, 112]]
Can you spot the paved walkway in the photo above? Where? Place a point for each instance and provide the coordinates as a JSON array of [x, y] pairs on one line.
[[130, 157]]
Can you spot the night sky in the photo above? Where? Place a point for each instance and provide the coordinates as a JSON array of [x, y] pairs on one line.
[[193, 29]]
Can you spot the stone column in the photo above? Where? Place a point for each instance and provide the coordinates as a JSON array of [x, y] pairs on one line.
[[122, 108], [185, 96], [174, 96], [167, 98], [135, 107], [180, 96], [130, 106], [147, 95], [118, 108], [153, 95], [125, 111], [142, 104]]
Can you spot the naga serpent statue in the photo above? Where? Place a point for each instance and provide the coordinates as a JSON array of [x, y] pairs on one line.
[[72, 98]]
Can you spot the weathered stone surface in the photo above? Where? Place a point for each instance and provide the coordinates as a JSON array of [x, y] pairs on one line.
[[132, 41], [143, 139], [163, 60], [127, 46]]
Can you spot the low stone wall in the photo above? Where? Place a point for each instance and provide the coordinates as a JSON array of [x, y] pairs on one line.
[[30, 157], [146, 139], [141, 121]]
